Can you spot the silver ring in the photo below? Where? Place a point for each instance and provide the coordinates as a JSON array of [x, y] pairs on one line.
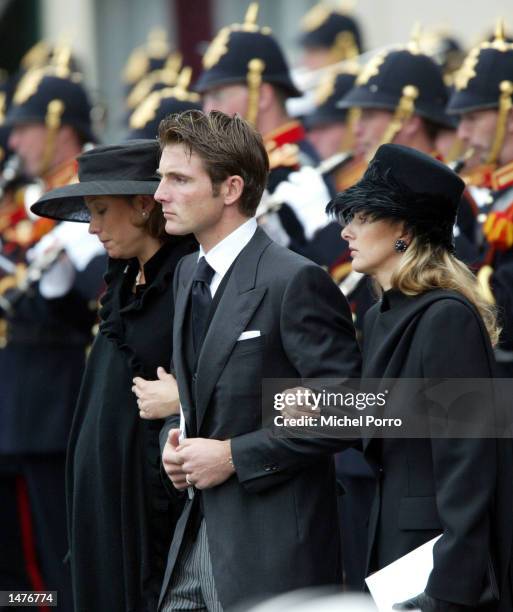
[[188, 481]]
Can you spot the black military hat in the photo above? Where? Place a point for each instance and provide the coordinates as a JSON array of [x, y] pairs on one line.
[[240, 52], [151, 56], [406, 185], [125, 169], [43, 53], [332, 87], [394, 73], [144, 121], [485, 76], [43, 95], [156, 79], [327, 28], [446, 50]]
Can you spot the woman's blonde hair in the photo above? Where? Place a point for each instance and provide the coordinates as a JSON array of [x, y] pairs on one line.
[[425, 267]]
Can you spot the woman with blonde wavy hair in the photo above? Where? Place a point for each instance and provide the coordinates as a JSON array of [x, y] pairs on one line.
[[430, 323]]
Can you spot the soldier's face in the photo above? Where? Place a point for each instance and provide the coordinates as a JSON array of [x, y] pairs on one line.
[[477, 131], [327, 139], [118, 223], [190, 203], [229, 99], [28, 141], [369, 130]]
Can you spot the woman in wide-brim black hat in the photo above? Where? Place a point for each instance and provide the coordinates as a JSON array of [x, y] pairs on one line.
[[120, 518], [430, 323]]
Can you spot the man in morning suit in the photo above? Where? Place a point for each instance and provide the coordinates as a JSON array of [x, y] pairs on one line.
[[261, 514]]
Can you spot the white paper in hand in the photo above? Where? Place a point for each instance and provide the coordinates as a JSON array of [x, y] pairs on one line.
[[403, 578]]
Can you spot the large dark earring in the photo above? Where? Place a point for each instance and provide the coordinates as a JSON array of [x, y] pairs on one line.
[[400, 246]]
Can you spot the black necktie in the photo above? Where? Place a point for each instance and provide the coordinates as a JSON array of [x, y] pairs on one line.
[[201, 301]]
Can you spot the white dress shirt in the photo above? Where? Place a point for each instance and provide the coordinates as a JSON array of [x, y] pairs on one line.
[[221, 257]]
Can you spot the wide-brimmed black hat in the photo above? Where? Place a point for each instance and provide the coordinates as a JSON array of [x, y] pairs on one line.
[[382, 81], [406, 185], [125, 169]]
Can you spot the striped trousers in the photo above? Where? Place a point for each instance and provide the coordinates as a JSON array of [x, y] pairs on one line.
[[192, 584]]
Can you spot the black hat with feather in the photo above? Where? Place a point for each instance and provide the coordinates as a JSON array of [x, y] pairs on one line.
[[403, 184]]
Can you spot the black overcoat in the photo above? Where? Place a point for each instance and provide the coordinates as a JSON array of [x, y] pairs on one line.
[[460, 488], [120, 519]]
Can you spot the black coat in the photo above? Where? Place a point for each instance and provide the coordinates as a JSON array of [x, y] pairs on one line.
[[273, 526], [120, 519], [460, 488]]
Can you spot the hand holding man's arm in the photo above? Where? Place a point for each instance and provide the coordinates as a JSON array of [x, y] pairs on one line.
[[157, 399]]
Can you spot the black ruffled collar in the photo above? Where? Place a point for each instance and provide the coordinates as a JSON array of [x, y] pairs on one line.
[[119, 299]]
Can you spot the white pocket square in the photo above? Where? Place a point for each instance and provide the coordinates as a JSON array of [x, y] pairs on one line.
[[248, 334]]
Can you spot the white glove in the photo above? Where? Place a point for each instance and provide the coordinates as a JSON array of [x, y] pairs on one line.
[[79, 248], [307, 195], [74, 238], [58, 280]]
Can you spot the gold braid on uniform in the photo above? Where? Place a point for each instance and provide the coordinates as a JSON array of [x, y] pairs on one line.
[[53, 123], [254, 78], [505, 104], [405, 109]]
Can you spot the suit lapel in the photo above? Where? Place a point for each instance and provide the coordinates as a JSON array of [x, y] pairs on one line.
[[240, 300]]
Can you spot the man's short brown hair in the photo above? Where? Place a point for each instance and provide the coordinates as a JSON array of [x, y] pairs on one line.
[[227, 146]]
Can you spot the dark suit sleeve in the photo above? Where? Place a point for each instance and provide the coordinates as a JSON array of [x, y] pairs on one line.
[[319, 340], [464, 469]]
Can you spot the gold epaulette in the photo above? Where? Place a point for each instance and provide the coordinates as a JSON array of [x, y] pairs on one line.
[[498, 228], [502, 177], [284, 156], [479, 176], [12, 281], [64, 174], [15, 225]]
